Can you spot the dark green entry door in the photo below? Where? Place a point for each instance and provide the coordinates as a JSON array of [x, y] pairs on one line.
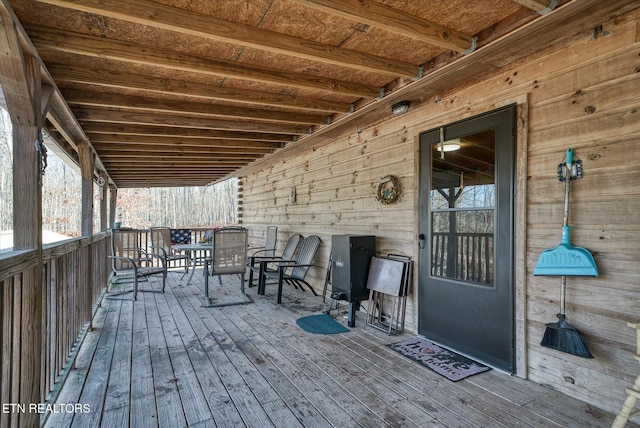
[[466, 237]]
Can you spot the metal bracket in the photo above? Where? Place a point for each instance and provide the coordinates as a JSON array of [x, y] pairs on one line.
[[474, 45], [552, 5], [420, 73]]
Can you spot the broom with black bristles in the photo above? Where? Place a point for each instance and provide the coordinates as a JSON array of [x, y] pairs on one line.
[[561, 335]]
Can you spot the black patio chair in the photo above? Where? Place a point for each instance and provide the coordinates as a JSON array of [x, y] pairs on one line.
[[287, 254], [269, 248], [292, 272]]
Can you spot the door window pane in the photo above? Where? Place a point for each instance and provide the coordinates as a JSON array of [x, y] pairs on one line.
[[462, 203]]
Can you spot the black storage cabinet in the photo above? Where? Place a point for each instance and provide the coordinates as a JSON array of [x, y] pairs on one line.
[[351, 258]]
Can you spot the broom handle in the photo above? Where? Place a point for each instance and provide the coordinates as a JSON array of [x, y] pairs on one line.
[[563, 288], [565, 221]]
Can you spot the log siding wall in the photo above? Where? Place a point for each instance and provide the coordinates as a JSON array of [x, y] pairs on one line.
[[585, 95]]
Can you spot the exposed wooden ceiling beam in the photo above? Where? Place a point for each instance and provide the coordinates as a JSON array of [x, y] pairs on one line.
[[183, 107], [110, 148], [117, 164], [115, 79], [153, 172], [156, 15], [114, 116], [572, 18], [187, 133], [195, 158], [134, 170], [59, 114], [100, 140], [97, 47], [188, 180], [136, 149], [396, 21]]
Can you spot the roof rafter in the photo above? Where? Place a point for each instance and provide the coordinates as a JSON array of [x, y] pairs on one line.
[[116, 116], [116, 79], [396, 21], [126, 131], [178, 143], [97, 47], [156, 15], [109, 148], [183, 107]]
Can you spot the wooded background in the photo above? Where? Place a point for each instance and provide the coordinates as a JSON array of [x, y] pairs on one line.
[[138, 208]]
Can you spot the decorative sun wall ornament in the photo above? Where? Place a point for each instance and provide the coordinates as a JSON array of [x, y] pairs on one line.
[[388, 190]]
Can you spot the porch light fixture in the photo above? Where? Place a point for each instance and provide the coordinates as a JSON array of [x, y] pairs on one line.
[[401, 107], [449, 145]]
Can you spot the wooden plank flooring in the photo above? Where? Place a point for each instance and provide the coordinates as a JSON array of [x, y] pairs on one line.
[[166, 361]]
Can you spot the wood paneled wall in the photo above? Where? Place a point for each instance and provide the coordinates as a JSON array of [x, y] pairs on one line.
[[584, 95]]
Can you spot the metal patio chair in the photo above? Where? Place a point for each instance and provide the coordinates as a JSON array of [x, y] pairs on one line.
[[287, 254], [292, 272], [127, 258], [161, 237], [269, 248], [228, 257]]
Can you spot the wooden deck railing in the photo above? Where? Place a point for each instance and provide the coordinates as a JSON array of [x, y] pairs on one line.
[[73, 274], [463, 256], [63, 287]]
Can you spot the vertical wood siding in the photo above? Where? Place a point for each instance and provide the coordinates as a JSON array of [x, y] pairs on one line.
[[585, 95]]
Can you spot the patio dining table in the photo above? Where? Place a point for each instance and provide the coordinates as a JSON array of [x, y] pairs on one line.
[[197, 252]]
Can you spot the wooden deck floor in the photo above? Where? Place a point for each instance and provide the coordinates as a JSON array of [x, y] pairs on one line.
[[166, 361]]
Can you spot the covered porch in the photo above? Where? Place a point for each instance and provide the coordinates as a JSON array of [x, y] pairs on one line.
[[298, 100], [166, 361]]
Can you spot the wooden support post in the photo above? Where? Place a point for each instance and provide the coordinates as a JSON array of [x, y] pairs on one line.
[[86, 171], [113, 198], [27, 101], [103, 202], [87, 165]]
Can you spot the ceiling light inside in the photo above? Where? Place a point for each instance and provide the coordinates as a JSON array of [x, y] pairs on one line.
[[449, 145]]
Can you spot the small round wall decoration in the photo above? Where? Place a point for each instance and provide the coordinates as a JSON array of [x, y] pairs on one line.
[[388, 190]]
